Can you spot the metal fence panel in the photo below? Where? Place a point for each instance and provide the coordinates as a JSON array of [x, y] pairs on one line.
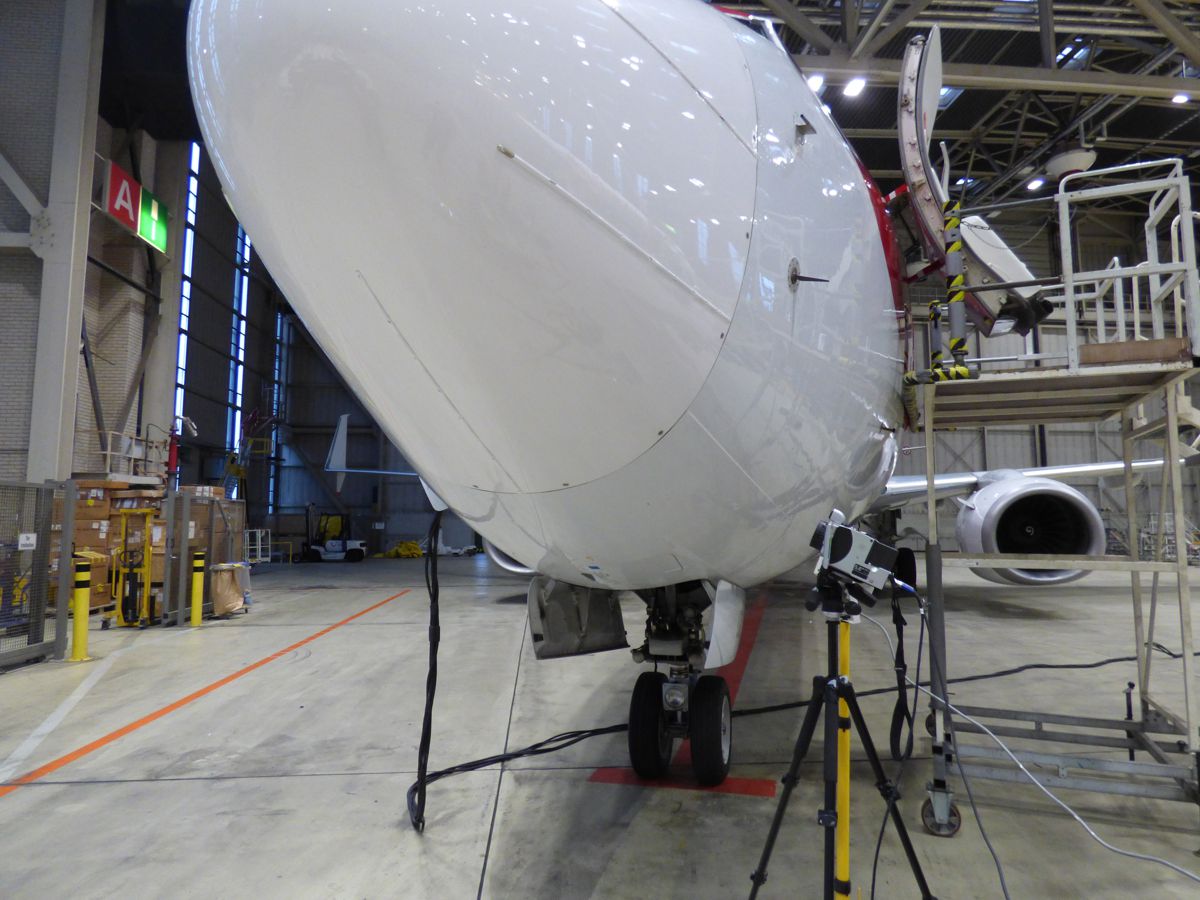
[[28, 550]]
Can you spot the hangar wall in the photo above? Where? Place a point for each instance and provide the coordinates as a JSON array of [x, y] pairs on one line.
[[290, 397], [131, 304], [30, 49]]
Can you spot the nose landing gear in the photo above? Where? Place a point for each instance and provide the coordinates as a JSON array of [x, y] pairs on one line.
[[683, 705]]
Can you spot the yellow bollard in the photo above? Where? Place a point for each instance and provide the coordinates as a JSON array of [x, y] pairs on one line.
[[842, 831], [81, 607], [197, 586]]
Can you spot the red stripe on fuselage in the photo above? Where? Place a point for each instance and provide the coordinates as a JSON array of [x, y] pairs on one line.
[[887, 235]]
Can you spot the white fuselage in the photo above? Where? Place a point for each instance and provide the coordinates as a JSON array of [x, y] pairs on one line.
[[547, 242]]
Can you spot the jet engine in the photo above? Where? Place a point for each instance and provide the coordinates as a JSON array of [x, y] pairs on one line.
[[1011, 513]]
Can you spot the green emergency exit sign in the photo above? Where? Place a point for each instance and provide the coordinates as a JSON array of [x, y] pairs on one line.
[[152, 223]]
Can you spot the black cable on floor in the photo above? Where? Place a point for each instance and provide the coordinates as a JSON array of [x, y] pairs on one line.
[[906, 753], [416, 792], [937, 670]]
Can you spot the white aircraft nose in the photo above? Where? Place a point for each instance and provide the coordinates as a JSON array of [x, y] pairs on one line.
[[518, 230]]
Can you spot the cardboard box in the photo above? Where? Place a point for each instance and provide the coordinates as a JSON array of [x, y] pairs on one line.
[[157, 564], [135, 503], [93, 504], [101, 590], [92, 535], [204, 490], [135, 529], [150, 494], [101, 593]]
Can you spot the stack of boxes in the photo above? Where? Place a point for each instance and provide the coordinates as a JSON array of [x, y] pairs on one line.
[[97, 534]]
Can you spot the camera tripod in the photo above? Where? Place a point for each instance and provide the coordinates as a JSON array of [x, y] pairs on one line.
[[834, 695]]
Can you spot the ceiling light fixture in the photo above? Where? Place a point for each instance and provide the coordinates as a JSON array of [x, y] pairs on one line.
[[1180, 98], [854, 87], [1035, 183], [816, 82]]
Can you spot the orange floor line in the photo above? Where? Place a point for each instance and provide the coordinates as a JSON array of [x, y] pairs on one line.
[[65, 760]]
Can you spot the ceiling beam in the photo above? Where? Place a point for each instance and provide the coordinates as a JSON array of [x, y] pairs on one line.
[[1003, 137], [808, 30], [1176, 32], [867, 33], [849, 21], [839, 68], [897, 25], [1046, 24]]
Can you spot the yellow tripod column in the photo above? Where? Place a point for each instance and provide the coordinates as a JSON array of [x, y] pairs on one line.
[[842, 831], [80, 608], [197, 586]]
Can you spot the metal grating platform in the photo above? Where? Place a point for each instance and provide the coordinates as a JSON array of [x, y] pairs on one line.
[[1042, 396]]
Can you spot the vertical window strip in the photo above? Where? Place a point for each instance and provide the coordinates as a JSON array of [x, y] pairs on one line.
[[277, 372], [185, 290], [237, 341]]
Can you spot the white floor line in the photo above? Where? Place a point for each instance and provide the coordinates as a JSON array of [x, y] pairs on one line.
[[52, 721]]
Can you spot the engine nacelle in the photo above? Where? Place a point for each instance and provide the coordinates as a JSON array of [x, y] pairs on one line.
[[1014, 514]]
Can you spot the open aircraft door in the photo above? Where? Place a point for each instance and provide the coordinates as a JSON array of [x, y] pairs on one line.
[[1017, 306]]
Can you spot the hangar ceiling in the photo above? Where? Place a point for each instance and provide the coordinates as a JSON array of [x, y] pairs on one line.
[[1036, 77]]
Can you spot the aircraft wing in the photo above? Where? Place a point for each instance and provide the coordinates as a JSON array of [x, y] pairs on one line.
[[904, 489]]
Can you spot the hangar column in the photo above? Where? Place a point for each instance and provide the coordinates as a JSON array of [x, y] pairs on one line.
[[62, 242]]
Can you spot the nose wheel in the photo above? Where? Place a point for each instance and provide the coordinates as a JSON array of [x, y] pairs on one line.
[[649, 740], [707, 722], [710, 726]]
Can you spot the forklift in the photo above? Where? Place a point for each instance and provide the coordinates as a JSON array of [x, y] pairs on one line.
[[133, 605], [328, 538]]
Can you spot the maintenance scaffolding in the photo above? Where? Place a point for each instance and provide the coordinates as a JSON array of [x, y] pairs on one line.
[[1144, 321]]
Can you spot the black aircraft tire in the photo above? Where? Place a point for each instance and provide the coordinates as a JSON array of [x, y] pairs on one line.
[[711, 730], [649, 743]]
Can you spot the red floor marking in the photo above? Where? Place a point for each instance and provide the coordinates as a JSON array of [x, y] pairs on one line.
[[56, 764], [734, 672], [746, 787]]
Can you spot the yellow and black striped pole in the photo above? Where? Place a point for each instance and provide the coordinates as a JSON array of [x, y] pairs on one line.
[[935, 334], [80, 608], [197, 587], [955, 279]]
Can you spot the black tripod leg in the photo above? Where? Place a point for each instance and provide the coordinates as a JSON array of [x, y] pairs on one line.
[[886, 788], [807, 729]]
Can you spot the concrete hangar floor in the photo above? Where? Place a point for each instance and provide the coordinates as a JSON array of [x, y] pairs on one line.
[[288, 778]]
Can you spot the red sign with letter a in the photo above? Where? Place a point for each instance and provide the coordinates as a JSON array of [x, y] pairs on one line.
[[122, 197]]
